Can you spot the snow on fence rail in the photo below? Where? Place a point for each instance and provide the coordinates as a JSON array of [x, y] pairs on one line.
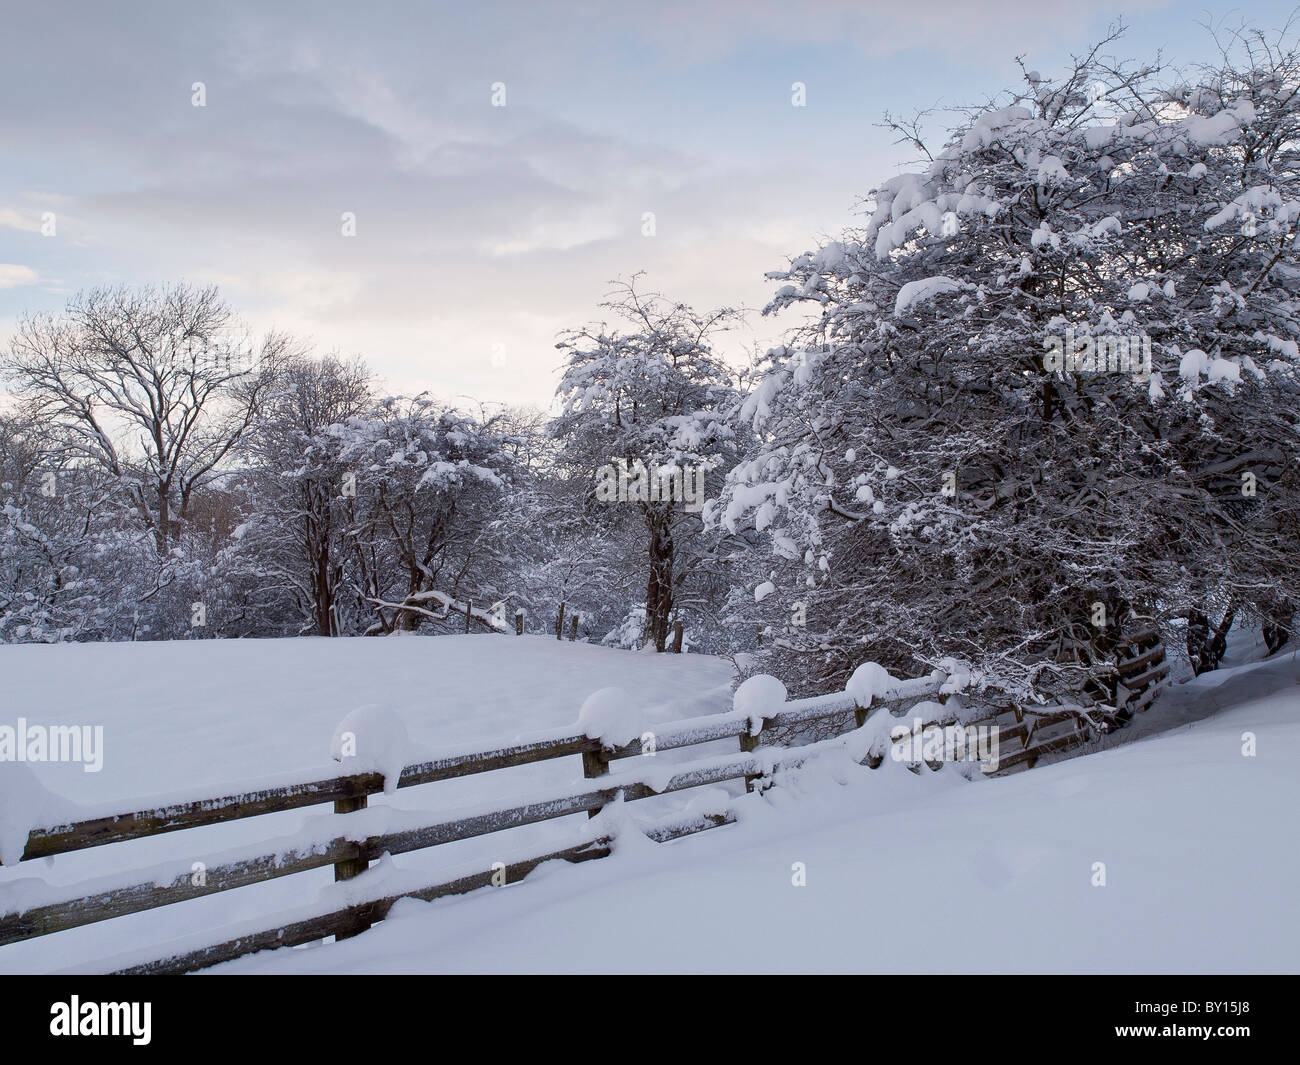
[[361, 834]]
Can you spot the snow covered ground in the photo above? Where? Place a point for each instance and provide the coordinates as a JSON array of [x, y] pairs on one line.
[[901, 872], [925, 873], [196, 718]]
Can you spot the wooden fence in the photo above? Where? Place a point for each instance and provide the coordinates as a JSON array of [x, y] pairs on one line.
[[351, 843]]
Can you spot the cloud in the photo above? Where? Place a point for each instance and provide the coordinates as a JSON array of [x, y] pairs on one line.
[[12, 275], [476, 225], [11, 219]]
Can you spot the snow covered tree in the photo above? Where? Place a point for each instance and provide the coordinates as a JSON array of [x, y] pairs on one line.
[[1022, 419], [300, 485], [44, 539], [643, 409], [421, 524], [76, 562]]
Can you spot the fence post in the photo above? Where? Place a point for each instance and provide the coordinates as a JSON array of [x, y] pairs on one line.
[[594, 764], [677, 636], [573, 628], [469, 612], [934, 767], [519, 621], [346, 870], [559, 622], [747, 744], [860, 714]]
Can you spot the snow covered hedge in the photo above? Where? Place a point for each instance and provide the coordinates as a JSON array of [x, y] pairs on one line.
[[934, 482]]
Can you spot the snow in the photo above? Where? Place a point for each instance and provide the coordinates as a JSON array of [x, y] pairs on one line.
[[869, 680], [374, 739], [199, 719], [197, 716], [610, 715], [763, 591], [25, 803], [1051, 171], [1044, 235], [985, 128], [1192, 365], [758, 697], [923, 291], [1219, 129], [958, 676], [887, 852], [1224, 370]]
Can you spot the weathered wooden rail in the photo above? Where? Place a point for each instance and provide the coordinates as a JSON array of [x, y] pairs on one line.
[[352, 840]]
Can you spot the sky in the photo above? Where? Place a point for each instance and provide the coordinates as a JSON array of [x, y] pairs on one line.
[[498, 159]]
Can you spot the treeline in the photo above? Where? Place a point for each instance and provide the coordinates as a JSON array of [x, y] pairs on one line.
[[1044, 396], [167, 475]]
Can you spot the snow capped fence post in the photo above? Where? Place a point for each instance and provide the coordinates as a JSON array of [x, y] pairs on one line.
[[469, 613], [370, 739], [760, 697], [573, 628], [608, 717], [860, 712], [559, 622], [677, 636], [519, 622]]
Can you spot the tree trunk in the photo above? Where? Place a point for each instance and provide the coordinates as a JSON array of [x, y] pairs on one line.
[[322, 593], [162, 531], [1275, 636], [1205, 648], [659, 587], [409, 620]]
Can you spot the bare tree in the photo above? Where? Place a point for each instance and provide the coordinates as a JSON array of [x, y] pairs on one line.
[[157, 387]]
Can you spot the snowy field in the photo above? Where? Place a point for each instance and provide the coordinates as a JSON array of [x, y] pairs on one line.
[[925, 874], [197, 718], [903, 872]]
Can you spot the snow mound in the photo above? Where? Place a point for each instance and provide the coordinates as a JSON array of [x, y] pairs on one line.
[[958, 674], [608, 715], [25, 804], [868, 681], [923, 291], [759, 697], [373, 739]]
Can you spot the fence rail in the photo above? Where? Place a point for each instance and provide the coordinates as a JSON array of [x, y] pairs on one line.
[[360, 835]]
